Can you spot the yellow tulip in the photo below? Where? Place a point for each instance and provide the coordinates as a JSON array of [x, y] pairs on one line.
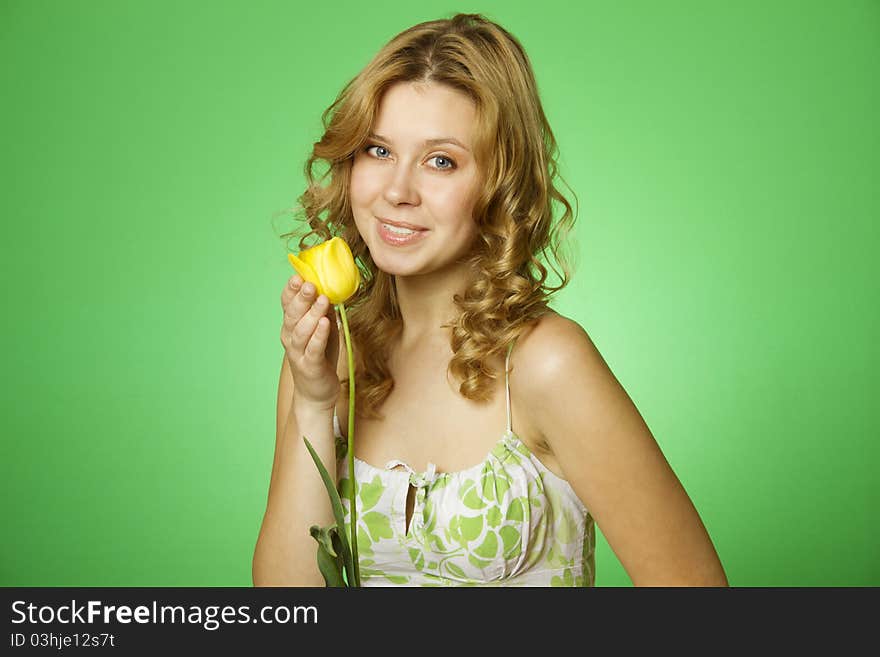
[[330, 267]]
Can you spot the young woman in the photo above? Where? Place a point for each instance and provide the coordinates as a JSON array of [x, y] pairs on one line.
[[491, 437]]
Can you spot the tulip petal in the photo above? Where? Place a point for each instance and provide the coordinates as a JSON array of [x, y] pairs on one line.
[[304, 269], [342, 255], [317, 258], [345, 276], [331, 267], [312, 256]]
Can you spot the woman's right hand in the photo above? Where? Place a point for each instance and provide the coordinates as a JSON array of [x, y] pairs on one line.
[[311, 342]]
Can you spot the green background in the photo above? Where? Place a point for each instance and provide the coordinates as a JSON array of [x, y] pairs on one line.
[[725, 160]]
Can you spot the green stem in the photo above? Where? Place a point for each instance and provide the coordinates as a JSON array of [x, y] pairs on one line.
[[352, 488]]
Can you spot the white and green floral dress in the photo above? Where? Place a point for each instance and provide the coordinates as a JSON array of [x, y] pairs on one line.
[[508, 521]]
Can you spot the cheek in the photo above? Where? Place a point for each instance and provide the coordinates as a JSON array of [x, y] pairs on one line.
[[363, 185], [458, 209]]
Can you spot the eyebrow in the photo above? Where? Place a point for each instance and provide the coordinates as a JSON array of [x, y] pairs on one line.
[[427, 142]]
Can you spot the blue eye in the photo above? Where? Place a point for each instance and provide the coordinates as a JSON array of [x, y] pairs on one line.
[[443, 157], [451, 163], [374, 146]]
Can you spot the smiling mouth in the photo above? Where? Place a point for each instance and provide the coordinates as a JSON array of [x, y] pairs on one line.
[[397, 230], [400, 226], [399, 236]]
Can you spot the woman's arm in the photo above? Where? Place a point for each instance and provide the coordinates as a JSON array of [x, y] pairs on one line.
[[612, 461], [286, 553]]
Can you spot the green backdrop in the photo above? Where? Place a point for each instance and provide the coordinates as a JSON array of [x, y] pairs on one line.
[[725, 159]]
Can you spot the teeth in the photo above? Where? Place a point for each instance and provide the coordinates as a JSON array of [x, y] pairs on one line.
[[399, 231]]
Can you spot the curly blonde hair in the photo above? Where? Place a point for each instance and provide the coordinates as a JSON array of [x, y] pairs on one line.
[[515, 152]]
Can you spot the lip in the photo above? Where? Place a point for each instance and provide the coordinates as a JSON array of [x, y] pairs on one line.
[[393, 239], [400, 224]]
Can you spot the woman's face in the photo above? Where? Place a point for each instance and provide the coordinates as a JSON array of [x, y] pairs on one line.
[[401, 176]]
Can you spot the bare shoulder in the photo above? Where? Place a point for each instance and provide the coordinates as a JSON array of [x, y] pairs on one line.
[[567, 389], [549, 364], [550, 351], [609, 456]]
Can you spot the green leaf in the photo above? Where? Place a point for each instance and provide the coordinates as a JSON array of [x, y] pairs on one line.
[[324, 536], [455, 569], [453, 533], [417, 558], [370, 493], [338, 512], [512, 540], [429, 513], [333, 577], [489, 547], [364, 542], [378, 525], [330, 563], [479, 563], [515, 510], [487, 483], [470, 496], [471, 528], [436, 543]]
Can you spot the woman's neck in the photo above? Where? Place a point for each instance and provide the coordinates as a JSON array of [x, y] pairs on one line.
[[426, 303]]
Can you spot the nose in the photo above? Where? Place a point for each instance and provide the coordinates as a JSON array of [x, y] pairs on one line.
[[401, 186]]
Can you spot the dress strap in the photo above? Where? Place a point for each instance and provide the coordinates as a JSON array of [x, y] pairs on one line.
[[507, 381], [337, 430]]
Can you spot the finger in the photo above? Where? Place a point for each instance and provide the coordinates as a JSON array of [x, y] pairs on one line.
[[293, 286], [317, 344], [304, 328], [299, 305]]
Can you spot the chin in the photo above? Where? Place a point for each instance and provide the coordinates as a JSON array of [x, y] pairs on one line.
[[394, 266]]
